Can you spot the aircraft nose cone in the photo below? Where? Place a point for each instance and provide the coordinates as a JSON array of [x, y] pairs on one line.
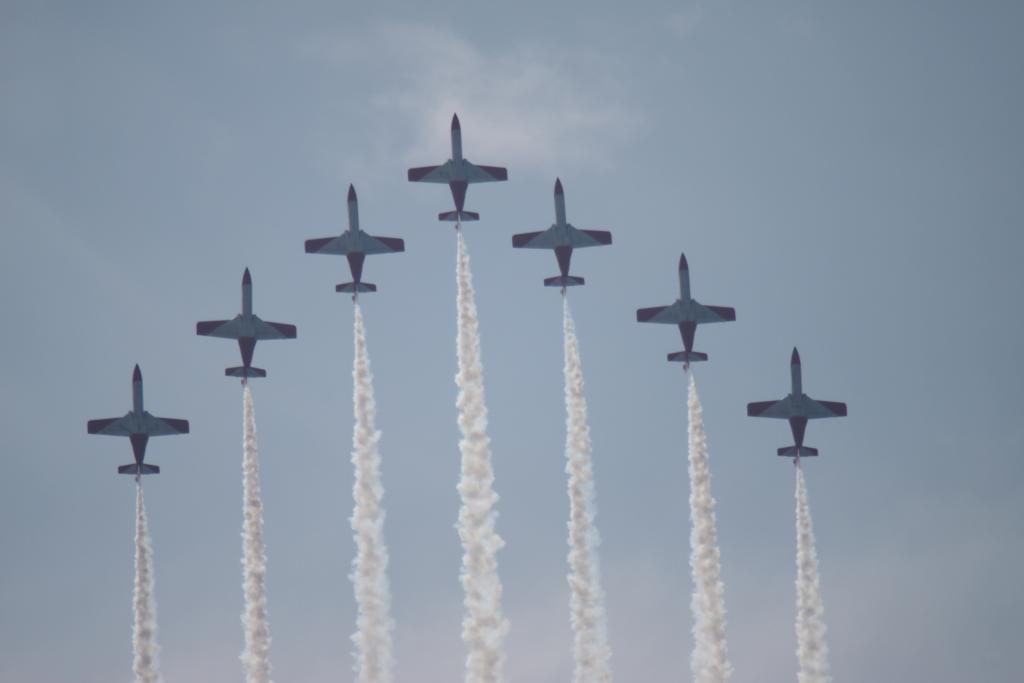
[[246, 278], [351, 193], [455, 122], [682, 262], [137, 375], [795, 358], [558, 186]]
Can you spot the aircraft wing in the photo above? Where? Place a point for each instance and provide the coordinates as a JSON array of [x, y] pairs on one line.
[[110, 426], [542, 239], [164, 426], [326, 245], [714, 314], [659, 314], [226, 329], [819, 409], [484, 174], [367, 244], [781, 409], [431, 174], [589, 238], [547, 239], [381, 245], [267, 330]]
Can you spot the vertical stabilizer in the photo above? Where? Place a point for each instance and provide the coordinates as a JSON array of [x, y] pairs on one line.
[[563, 255]]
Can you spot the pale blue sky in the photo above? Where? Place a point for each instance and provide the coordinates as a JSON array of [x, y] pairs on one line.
[[846, 175]]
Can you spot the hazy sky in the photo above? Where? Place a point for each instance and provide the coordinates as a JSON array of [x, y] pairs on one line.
[[848, 176]]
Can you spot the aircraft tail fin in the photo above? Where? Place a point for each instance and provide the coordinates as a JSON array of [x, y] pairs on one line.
[[687, 357], [460, 216], [136, 469], [356, 287], [795, 452], [245, 372], [563, 281]]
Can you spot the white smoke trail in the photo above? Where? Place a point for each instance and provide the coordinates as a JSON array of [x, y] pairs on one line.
[[812, 651], [256, 656], [591, 650], [374, 662], [483, 626], [146, 651], [709, 661]]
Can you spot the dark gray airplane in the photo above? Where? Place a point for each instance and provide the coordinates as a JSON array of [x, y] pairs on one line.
[[563, 237], [247, 328], [355, 245], [138, 426], [798, 408], [687, 313], [458, 173]]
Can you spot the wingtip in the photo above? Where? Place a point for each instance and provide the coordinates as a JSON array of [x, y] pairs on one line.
[[455, 122], [351, 193], [246, 278], [795, 358], [558, 186], [682, 262], [137, 374]]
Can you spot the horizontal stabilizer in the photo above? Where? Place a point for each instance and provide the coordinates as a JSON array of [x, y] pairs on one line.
[[353, 287], [794, 452], [459, 216], [134, 468], [687, 356], [563, 281], [245, 372]]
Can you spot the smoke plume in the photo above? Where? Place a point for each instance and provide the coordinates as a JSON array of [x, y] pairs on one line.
[[144, 646], [483, 626], [256, 656], [374, 660], [590, 646], [709, 661], [812, 651]]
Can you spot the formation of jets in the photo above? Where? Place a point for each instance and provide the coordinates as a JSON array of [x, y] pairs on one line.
[[562, 237]]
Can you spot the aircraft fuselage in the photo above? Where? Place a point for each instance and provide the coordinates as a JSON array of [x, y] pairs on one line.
[[456, 143], [137, 406], [684, 284]]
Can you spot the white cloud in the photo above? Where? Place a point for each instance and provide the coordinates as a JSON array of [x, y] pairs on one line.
[[528, 105]]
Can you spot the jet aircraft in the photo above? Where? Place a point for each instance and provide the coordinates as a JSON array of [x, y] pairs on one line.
[[355, 245], [138, 425], [687, 313], [563, 237], [798, 408], [458, 173], [247, 328]]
